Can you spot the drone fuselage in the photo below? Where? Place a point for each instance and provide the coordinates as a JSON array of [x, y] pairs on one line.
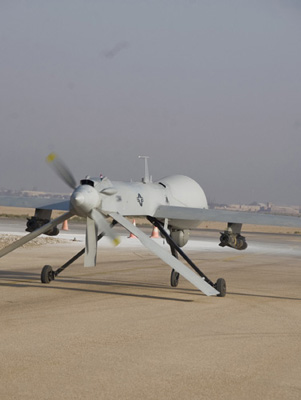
[[142, 199]]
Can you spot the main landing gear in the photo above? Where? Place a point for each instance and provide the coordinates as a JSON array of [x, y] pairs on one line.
[[174, 276], [219, 285], [48, 275]]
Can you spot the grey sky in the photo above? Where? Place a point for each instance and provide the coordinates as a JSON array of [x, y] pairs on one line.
[[210, 89]]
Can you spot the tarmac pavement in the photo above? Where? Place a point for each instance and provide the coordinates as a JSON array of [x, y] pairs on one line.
[[119, 331]]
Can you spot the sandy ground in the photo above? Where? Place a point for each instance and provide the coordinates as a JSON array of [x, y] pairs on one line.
[[26, 212], [119, 331]]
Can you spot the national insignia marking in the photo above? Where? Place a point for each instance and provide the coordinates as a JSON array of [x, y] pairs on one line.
[[140, 199]]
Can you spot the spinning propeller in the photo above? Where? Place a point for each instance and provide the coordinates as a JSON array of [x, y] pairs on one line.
[[85, 201]]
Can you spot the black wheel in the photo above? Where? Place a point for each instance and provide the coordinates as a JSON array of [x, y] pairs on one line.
[[221, 287], [174, 278], [47, 274]]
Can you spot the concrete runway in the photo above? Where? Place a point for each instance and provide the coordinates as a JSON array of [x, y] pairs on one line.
[[119, 331]]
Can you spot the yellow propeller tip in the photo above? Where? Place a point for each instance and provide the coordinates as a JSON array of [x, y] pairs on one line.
[[116, 241], [51, 157]]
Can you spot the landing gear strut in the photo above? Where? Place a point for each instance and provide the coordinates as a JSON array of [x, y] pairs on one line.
[[48, 275], [220, 284]]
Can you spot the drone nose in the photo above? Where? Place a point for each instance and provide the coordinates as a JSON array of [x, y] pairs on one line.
[[78, 199], [84, 199]]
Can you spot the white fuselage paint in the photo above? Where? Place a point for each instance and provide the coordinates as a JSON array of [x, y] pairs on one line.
[[141, 199]]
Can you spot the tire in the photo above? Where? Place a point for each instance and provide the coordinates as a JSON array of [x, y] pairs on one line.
[[221, 287], [174, 278], [47, 274]]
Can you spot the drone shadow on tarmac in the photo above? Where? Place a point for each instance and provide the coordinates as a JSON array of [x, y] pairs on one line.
[[28, 279]]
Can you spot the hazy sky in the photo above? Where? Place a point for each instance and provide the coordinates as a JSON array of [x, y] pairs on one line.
[[210, 89]]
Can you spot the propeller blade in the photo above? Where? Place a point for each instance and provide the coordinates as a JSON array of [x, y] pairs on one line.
[[103, 226], [91, 243], [61, 169]]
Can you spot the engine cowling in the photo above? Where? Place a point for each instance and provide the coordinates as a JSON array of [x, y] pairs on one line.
[[234, 240], [180, 237]]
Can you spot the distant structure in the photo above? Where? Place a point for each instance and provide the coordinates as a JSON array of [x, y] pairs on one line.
[[259, 208]]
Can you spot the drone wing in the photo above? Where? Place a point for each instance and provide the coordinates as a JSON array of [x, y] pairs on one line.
[[199, 214]]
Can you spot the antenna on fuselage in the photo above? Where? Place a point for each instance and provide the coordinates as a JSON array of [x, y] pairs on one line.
[[146, 178]]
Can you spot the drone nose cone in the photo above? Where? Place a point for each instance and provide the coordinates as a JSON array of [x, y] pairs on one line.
[[78, 199], [84, 199]]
